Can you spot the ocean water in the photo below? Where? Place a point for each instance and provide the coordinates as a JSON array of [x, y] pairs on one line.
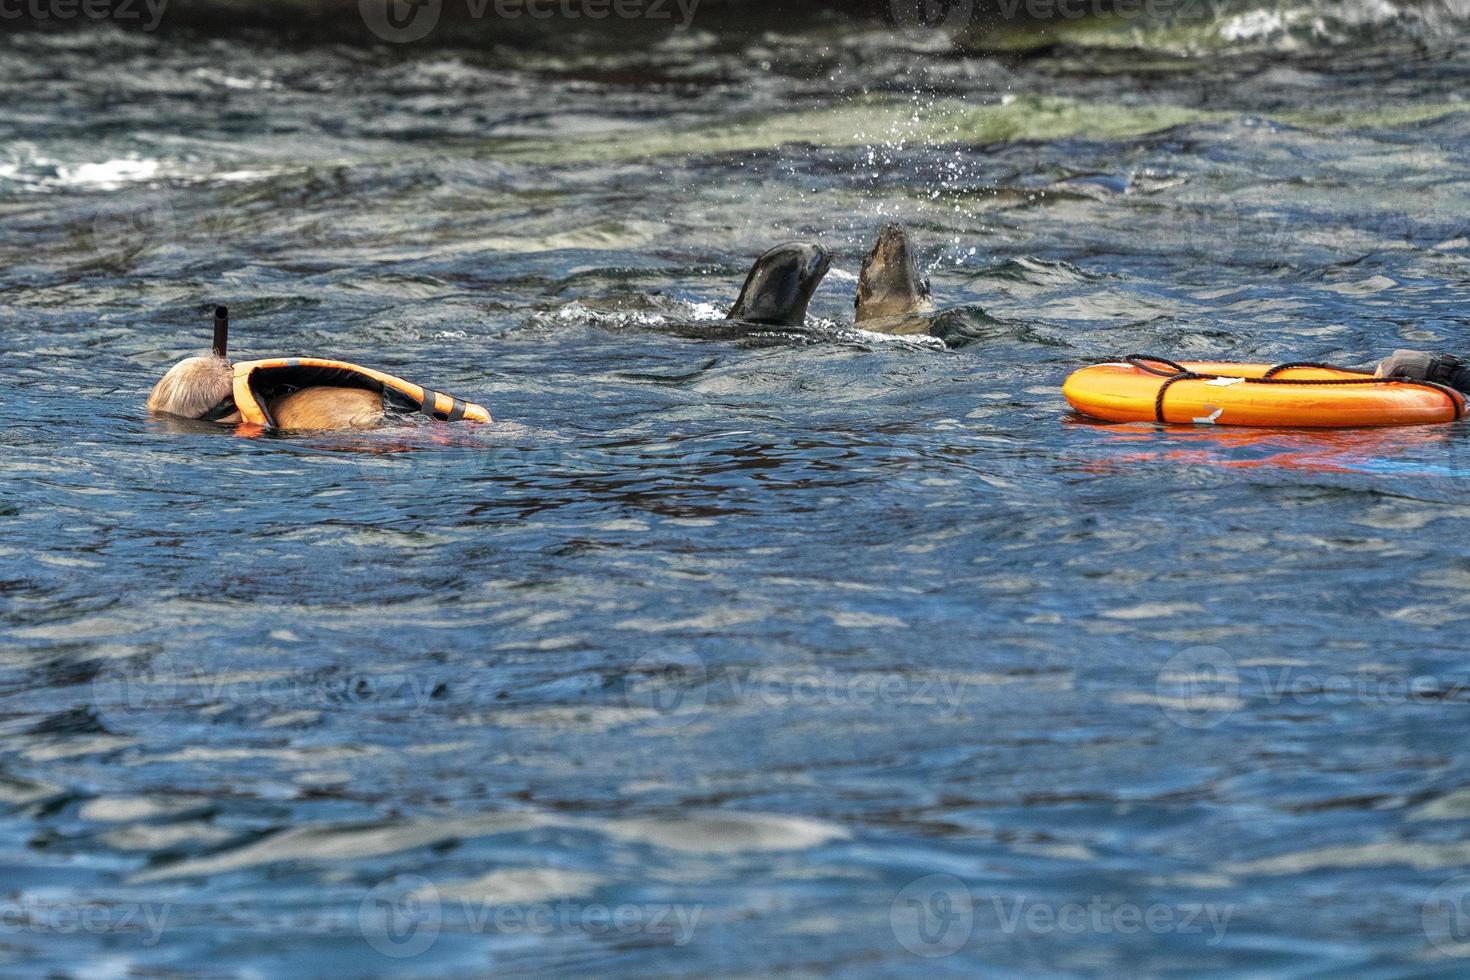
[[814, 653]]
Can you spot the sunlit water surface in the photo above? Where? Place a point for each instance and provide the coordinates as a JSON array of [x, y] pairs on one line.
[[711, 653]]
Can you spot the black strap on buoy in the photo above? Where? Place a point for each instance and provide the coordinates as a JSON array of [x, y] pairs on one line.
[[1178, 372], [221, 331], [430, 407]]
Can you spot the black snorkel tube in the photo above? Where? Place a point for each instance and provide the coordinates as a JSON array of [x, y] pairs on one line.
[[221, 331], [221, 345]]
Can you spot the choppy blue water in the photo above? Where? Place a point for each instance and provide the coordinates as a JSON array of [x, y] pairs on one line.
[[833, 653]]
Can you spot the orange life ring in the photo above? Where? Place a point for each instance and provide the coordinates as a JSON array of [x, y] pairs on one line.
[[1128, 392]]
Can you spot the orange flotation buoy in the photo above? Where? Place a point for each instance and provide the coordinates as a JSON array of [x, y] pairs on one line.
[[1150, 389], [256, 381]]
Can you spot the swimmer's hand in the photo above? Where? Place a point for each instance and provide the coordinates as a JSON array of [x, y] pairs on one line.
[[1412, 364]]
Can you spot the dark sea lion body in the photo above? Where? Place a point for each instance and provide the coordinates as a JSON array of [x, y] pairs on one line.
[[780, 285], [772, 303]]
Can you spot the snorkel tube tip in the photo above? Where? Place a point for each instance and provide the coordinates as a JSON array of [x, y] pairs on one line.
[[221, 331]]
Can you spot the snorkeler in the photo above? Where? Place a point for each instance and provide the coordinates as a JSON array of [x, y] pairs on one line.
[[296, 392]]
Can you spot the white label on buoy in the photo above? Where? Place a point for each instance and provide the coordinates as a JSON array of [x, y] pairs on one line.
[[1209, 419], [1224, 382]]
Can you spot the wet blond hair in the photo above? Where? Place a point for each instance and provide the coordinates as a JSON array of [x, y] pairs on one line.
[[192, 387]]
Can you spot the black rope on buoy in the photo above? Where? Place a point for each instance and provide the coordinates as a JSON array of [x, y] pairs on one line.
[[1272, 372], [1144, 362], [1159, 398], [221, 331], [1178, 373]]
